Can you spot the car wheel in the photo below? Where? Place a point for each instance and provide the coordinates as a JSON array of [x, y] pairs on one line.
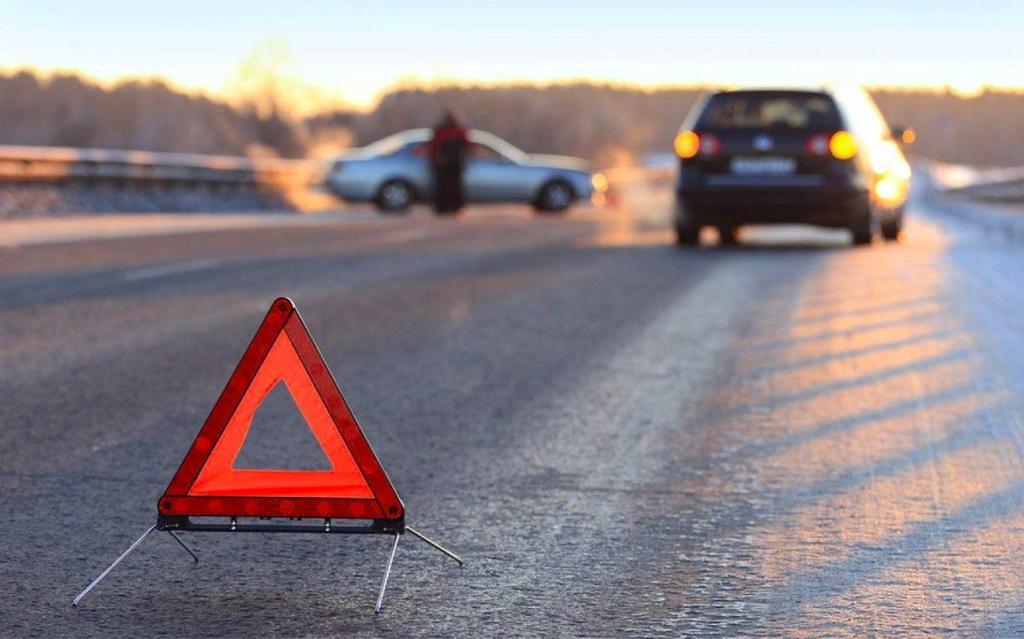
[[687, 235], [863, 226], [555, 197], [395, 196], [892, 226], [728, 235]]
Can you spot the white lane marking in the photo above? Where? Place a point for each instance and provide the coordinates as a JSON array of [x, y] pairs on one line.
[[168, 269], [404, 235], [84, 228]]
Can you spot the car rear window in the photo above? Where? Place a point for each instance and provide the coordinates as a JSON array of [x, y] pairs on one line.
[[771, 110]]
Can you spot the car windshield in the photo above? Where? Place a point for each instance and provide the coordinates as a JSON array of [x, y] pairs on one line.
[[771, 110]]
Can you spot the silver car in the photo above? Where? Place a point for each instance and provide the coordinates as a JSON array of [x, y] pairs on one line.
[[395, 172]]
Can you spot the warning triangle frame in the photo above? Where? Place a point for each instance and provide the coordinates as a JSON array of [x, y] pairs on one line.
[[385, 509], [178, 502]]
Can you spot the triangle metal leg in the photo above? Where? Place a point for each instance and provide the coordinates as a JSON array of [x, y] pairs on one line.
[[435, 544], [387, 573], [151, 529], [182, 543], [106, 572]]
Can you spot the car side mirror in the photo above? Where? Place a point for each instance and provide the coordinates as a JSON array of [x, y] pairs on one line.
[[903, 134]]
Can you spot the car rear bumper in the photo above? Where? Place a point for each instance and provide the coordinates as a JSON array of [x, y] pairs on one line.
[[790, 200]]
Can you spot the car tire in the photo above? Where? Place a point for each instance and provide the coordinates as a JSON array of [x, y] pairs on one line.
[[863, 225], [554, 197], [728, 235], [892, 227], [395, 196], [687, 235]]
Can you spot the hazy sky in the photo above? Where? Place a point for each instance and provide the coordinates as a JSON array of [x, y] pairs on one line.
[[356, 49]]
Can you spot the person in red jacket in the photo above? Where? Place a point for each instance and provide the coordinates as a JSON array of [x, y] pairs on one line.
[[447, 159]]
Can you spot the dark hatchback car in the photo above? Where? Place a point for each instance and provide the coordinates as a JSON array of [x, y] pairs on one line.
[[822, 157]]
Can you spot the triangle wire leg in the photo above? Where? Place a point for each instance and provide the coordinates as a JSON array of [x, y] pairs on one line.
[[182, 543], [435, 544], [106, 572], [387, 573]]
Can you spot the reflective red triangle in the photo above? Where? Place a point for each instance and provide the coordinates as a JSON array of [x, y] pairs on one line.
[[207, 483]]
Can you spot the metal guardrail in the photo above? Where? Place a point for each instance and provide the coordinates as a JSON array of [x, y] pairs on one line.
[[1006, 191], [991, 185], [28, 164]]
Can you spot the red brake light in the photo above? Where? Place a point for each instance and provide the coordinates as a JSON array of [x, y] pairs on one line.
[[689, 144], [709, 144], [818, 144]]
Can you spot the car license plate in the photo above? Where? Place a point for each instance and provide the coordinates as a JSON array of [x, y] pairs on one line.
[[763, 166]]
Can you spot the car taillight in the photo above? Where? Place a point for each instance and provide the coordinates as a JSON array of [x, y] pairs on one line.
[[818, 144], [842, 145], [688, 144], [709, 144]]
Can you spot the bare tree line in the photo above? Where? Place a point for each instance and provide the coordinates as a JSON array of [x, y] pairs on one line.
[[608, 123], [984, 130], [65, 110]]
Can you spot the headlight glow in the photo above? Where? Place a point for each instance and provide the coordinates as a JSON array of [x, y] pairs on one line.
[[888, 189]]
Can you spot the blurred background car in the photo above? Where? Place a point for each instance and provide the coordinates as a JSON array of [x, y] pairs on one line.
[[823, 157], [395, 172]]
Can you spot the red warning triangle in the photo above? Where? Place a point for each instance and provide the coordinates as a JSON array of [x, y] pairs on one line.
[[207, 482]]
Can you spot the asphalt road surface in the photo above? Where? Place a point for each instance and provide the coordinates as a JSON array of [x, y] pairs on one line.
[[791, 437]]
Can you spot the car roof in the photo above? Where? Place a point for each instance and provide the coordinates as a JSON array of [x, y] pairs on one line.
[[423, 134], [413, 136], [835, 90], [820, 89]]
